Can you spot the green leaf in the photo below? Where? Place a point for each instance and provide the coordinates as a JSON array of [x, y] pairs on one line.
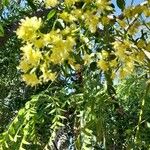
[[121, 4], [51, 14], [1, 31], [15, 120], [148, 124], [21, 111], [21, 148], [15, 137], [27, 105], [12, 130], [6, 145], [52, 111], [62, 117], [61, 22], [78, 143], [25, 142], [60, 124], [147, 54], [93, 66], [87, 131], [11, 138]]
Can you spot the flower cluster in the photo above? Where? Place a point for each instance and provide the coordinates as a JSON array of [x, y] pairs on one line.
[[36, 61], [82, 31]]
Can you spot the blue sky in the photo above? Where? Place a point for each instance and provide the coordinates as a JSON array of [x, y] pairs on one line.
[[128, 3]]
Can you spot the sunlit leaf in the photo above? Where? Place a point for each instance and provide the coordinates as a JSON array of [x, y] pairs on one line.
[[51, 14], [25, 142]]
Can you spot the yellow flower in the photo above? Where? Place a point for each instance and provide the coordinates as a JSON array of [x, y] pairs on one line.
[[66, 31], [123, 73], [87, 59], [34, 59], [121, 47], [147, 12], [61, 50], [127, 69], [51, 3], [105, 54], [30, 79], [87, 1], [27, 50], [128, 12], [148, 46], [32, 56], [52, 37], [113, 75], [24, 65], [140, 57], [47, 74], [122, 23], [39, 43], [67, 17], [71, 61], [134, 28], [105, 20], [28, 28], [77, 67], [77, 13], [91, 21], [113, 63], [70, 2], [58, 52], [129, 65], [103, 4], [103, 65], [56, 57], [69, 43], [141, 43]]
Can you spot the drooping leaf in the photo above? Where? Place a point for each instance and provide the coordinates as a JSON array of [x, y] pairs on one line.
[[61, 23], [25, 142], [52, 111], [11, 138], [148, 124], [147, 54], [87, 131], [51, 14], [60, 124], [121, 4], [6, 145]]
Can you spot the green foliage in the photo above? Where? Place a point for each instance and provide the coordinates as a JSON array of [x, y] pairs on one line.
[[84, 109], [93, 120]]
